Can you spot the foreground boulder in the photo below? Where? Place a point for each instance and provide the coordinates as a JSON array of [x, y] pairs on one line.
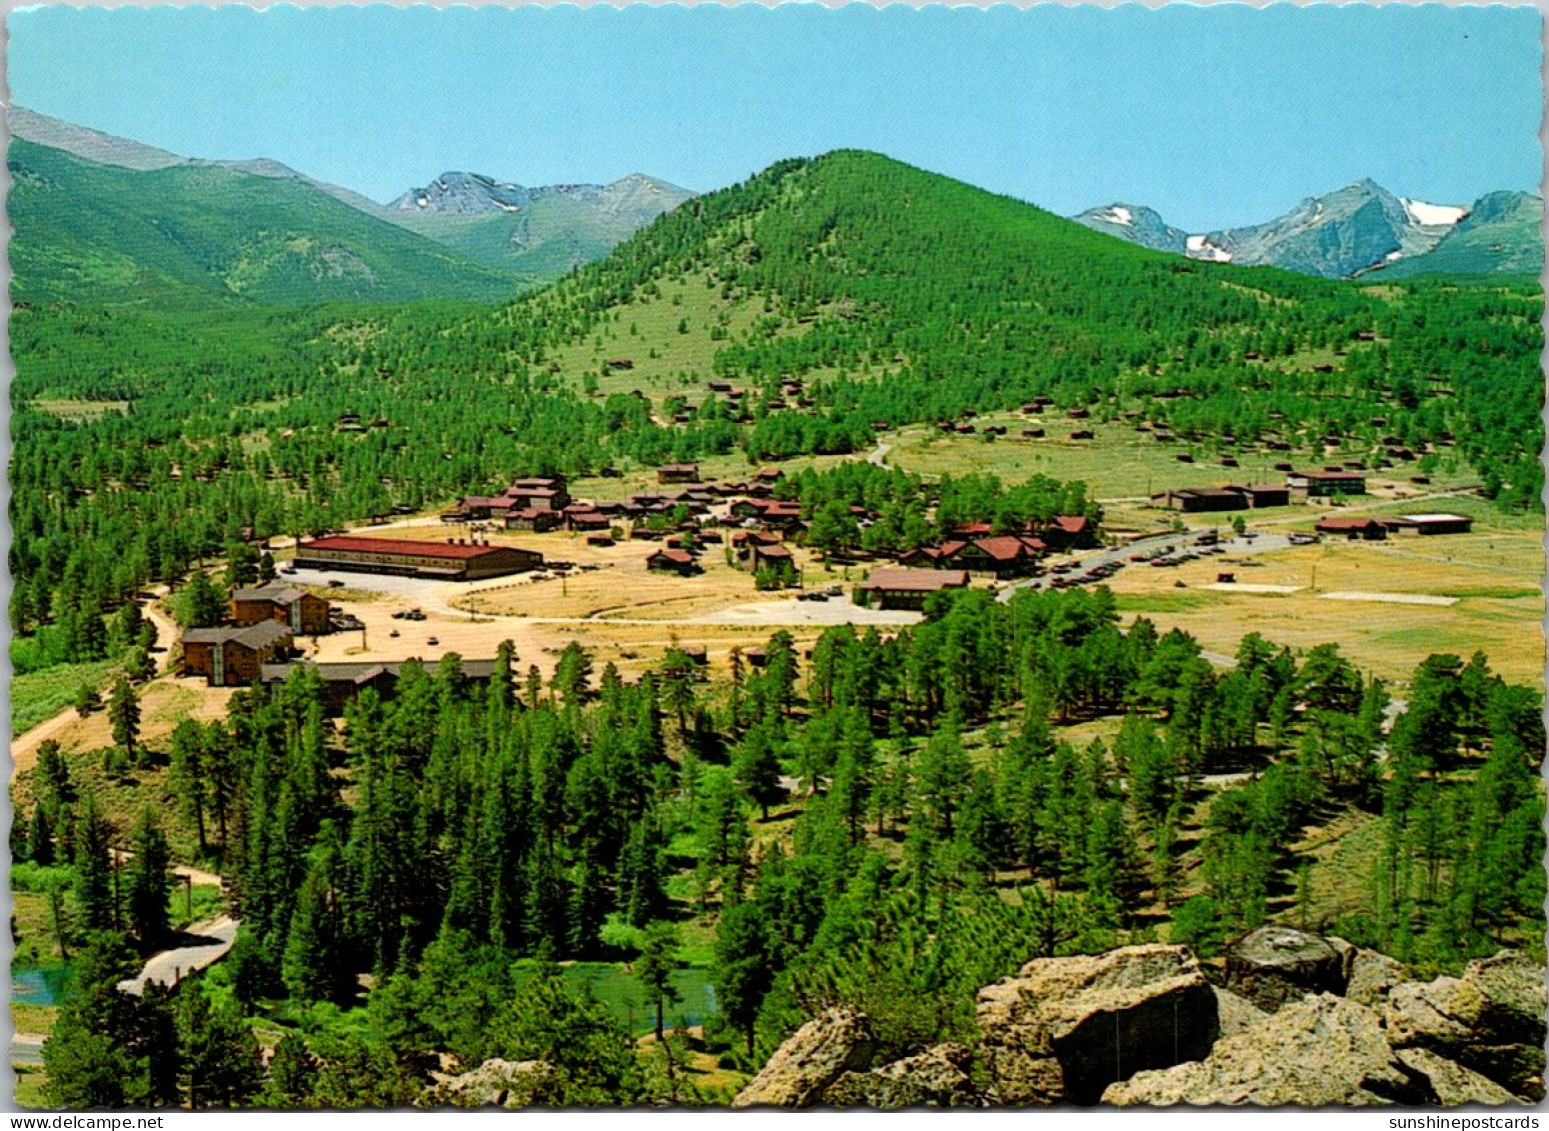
[[1315, 1051], [1236, 1013], [1274, 966], [1454, 1084], [496, 1083], [1490, 1020], [1372, 975], [1066, 1028], [937, 1077], [816, 1055]]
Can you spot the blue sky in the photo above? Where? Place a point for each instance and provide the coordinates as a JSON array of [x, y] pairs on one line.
[[1216, 115]]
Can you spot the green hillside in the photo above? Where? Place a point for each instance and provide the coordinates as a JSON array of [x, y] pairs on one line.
[[901, 296], [1500, 236], [190, 234]]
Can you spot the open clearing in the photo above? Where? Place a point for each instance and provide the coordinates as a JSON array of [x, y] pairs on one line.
[[1236, 587], [1121, 463], [1391, 598], [1459, 593]]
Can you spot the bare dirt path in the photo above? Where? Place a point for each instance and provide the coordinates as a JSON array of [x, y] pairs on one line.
[[24, 747]]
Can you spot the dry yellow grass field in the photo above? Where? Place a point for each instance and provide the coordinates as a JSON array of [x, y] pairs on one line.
[[1493, 574], [164, 703]]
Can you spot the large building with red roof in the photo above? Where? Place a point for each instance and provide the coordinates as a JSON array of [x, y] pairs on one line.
[[456, 559]]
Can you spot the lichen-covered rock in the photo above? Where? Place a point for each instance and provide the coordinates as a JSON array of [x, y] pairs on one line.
[[1315, 1051], [1066, 1028], [937, 1077], [1454, 1084], [1490, 1020], [496, 1083], [815, 1056], [1236, 1013], [1273, 966], [1372, 975]]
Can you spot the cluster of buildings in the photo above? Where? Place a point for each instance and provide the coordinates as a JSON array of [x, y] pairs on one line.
[[265, 621], [976, 550], [1299, 487]]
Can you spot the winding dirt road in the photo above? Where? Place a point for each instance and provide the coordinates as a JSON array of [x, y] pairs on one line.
[[24, 747]]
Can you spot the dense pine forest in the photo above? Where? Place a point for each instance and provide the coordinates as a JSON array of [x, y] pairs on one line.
[[886, 820], [934, 830]]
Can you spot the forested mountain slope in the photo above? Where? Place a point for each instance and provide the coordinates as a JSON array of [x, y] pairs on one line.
[[906, 296], [190, 234], [1499, 236]]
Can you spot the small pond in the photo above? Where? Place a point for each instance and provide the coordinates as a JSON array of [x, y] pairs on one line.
[[40, 985]]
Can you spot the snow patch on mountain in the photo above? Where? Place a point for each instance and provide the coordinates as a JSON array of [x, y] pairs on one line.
[[1201, 247], [1438, 215]]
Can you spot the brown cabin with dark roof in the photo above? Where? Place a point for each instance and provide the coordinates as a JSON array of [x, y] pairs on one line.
[[895, 588], [763, 556], [672, 561], [1006, 555], [232, 657], [303, 613], [677, 473], [1351, 527], [535, 519]]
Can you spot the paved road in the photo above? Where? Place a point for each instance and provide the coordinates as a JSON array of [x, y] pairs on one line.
[[214, 938], [879, 455]]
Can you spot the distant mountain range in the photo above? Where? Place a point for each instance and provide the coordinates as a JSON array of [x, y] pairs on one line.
[[542, 232], [259, 229], [1355, 230], [106, 219]]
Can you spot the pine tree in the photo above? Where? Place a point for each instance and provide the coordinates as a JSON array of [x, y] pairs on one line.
[[221, 1064], [86, 700], [757, 767], [150, 880], [124, 715], [742, 972], [292, 1076], [315, 966], [90, 1055], [40, 837], [94, 881], [657, 962], [186, 774], [204, 606]]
